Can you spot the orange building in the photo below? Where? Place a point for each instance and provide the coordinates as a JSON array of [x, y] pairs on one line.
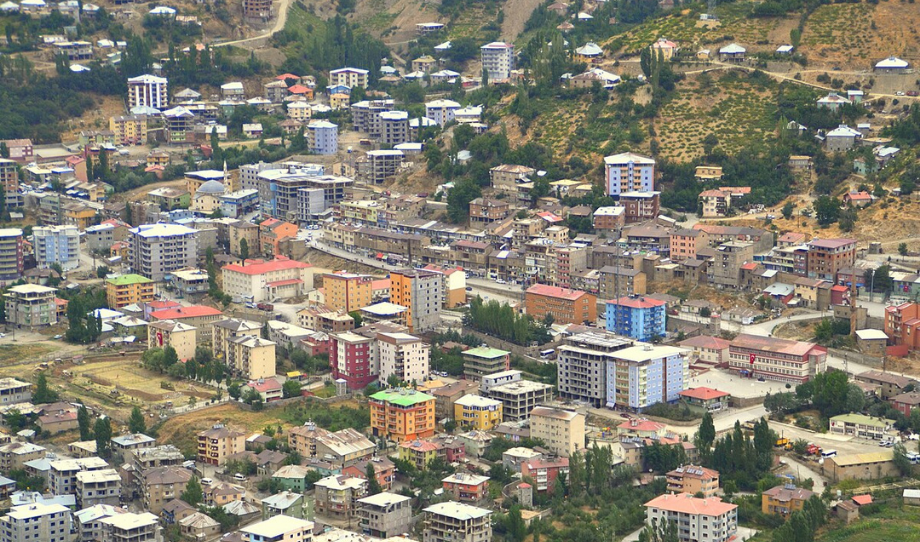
[[400, 415], [347, 291], [271, 232], [215, 445], [418, 290], [902, 324], [565, 305]]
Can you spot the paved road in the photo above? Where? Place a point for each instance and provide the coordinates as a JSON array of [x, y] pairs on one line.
[[803, 471]]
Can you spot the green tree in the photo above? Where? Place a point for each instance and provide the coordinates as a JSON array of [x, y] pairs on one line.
[[4, 150], [788, 208], [170, 357], [706, 434], [373, 485], [356, 316], [515, 526], [83, 420], [827, 210], [43, 393], [290, 388], [193, 493], [136, 422], [103, 433], [244, 250]]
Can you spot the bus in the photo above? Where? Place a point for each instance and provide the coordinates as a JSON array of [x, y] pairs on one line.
[[828, 453], [547, 354]]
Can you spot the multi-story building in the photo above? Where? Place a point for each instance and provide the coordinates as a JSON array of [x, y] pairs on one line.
[[497, 60], [385, 514], [251, 357], [828, 256], [507, 177], [11, 257], [725, 268], [380, 165], [230, 328], [148, 91], [902, 324], [708, 349], [394, 127], [519, 398], [563, 431], [614, 282], [629, 172], [260, 280], [453, 287], [466, 487], [484, 211], [776, 359], [279, 528], [349, 77], [163, 484], [337, 496], [640, 206], [354, 359], [403, 356], [322, 137], [694, 518], [564, 305], [484, 360], [348, 291], [457, 522], [157, 249], [62, 473], [88, 521], [714, 203], [9, 180], [31, 305], [477, 413], [56, 245], [640, 318], [693, 479], [365, 115], [784, 500], [182, 338], [441, 111], [685, 243], [581, 364], [198, 316], [128, 289], [544, 472], [38, 522], [215, 445], [129, 130], [611, 218], [342, 448], [400, 414], [860, 426], [98, 487], [14, 391], [420, 292], [258, 9], [271, 232]]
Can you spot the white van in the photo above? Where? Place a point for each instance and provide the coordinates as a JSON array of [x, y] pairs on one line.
[[829, 453]]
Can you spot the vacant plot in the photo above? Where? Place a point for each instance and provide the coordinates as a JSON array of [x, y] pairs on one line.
[[18, 353], [892, 523], [839, 31]]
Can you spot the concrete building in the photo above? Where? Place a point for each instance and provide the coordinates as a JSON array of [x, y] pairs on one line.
[[629, 172], [860, 426], [251, 357], [707, 349], [641, 376], [457, 522], [163, 484], [563, 431], [564, 305], [581, 364], [215, 445], [483, 360], [725, 268], [348, 291], [404, 356], [31, 305], [866, 466], [158, 249], [354, 358], [776, 359], [497, 60], [9, 180], [11, 257], [130, 289], [183, 338], [477, 412], [693, 479], [695, 519], [394, 127], [279, 529], [349, 77], [56, 245], [466, 487], [640, 318], [420, 292], [544, 472], [400, 414], [337, 497], [342, 448], [148, 91], [385, 514], [14, 391], [519, 398], [260, 280], [98, 487], [826, 257], [322, 137], [39, 522], [784, 500], [441, 111]]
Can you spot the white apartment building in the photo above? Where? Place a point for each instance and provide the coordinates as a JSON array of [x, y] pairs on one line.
[[56, 245], [157, 249], [643, 375], [403, 355], [148, 91], [696, 519], [563, 431], [629, 172], [279, 528], [441, 111], [36, 523], [489, 381], [62, 473], [260, 280], [130, 527], [322, 137], [497, 60], [457, 522], [350, 77]]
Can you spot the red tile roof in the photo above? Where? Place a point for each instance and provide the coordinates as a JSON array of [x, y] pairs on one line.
[[269, 384], [555, 291], [750, 266], [703, 393], [195, 311], [284, 76], [288, 282], [862, 500], [298, 89], [258, 267], [637, 302], [641, 425], [688, 504]]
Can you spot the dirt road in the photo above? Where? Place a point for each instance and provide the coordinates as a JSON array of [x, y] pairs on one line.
[[278, 27]]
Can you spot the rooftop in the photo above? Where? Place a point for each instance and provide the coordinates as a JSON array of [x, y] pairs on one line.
[[458, 511], [688, 504], [485, 352], [774, 345], [402, 397], [555, 291], [277, 526], [703, 393]]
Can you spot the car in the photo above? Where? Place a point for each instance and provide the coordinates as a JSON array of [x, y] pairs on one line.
[[913, 436], [899, 93], [469, 288], [239, 477], [913, 93], [58, 337]]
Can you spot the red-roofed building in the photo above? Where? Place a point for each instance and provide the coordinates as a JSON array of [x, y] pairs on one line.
[[544, 472], [783, 360], [154, 306], [784, 500], [707, 519], [271, 232], [839, 295], [301, 90], [693, 479], [641, 428], [714, 203], [862, 500], [198, 316], [902, 324], [706, 397], [708, 349], [564, 305], [858, 199], [268, 388], [260, 280]]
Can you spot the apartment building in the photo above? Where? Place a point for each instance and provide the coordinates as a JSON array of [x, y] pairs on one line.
[[251, 357], [544, 472], [640, 206], [260, 280], [9, 180], [385, 514], [348, 291], [826, 257], [637, 317], [581, 364], [399, 414], [349, 77], [198, 316], [16, 454], [336, 496], [453, 287], [466, 487], [380, 165], [497, 60], [772, 358], [725, 268], [31, 305], [565, 306], [714, 203], [231, 328], [258, 9], [354, 358], [62, 473], [183, 338], [784, 500], [477, 413], [163, 484], [128, 130], [403, 356], [695, 519], [322, 137], [11, 257], [39, 522], [98, 487], [693, 479], [457, 522], [708, 349], [519, 398], [611, 218], [441, 111], [419, 291], [215, 445], [394, 127], [506, 177], [148, 91], [88, 521], [56, 245], [563, 431], [279, 529], [629, 172], [128, 289], [158, 249], [484, 360], [342, 448], [14, 391]]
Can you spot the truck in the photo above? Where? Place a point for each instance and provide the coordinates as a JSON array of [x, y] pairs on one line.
[[781, 442], [265, 307], [812, 449]]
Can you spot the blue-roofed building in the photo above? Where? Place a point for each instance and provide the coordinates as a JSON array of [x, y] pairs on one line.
[[638, 317]]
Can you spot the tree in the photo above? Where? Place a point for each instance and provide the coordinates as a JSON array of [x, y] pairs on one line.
[[136, 422], [827, 210], [4, 150], [102, 271], [515, 526], [103, 432], [902, 249], [193, 493], [706, 434], [373, 485], [290, 388], [170, 357], [43, 394], [244, 250], [356, 316], [788, 208], [86, 430]]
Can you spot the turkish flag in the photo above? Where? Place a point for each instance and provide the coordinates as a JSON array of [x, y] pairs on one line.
[[753, 356]]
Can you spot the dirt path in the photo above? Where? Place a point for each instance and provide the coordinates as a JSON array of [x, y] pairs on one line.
[[279, 25], [516, 14]]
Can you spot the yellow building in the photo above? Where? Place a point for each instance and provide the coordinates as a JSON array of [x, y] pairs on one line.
[[784, 500], [215, 445], [230, 328], [347, 291], [80, 215], [364, 211], [125, 290], [477, 412], [339, 100], [129, 130], [251, 357], [182, 337], [418, 452], [400, 414]]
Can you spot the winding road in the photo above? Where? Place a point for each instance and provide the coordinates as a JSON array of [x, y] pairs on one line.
[[278, 27]]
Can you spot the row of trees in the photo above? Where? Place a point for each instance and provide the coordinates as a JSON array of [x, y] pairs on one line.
[[500, 320]]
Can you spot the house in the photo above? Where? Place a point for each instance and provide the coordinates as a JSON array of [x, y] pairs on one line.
[[707, 398], [215, 445], [842, 138], [665, 47], [784, 500], [693, 479], [589, 53], [833, 101], [732, 53], [890, 384], [286, 503], [714, 203], [269, 389], [860, 426], [466, 487], [892, 64], [857, 199], [279, 528]]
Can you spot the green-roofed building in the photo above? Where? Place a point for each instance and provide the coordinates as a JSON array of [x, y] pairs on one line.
[[125, 290], [861, 426], [483, 360], [400, 414]]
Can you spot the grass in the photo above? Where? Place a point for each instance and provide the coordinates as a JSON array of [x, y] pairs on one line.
[[892, 523], [15, 353], [301, 21]]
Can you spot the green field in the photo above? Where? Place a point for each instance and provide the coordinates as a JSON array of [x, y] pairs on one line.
[[891, 524]]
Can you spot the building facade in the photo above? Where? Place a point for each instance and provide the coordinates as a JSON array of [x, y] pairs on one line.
[[629, 172], [158, 249]]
